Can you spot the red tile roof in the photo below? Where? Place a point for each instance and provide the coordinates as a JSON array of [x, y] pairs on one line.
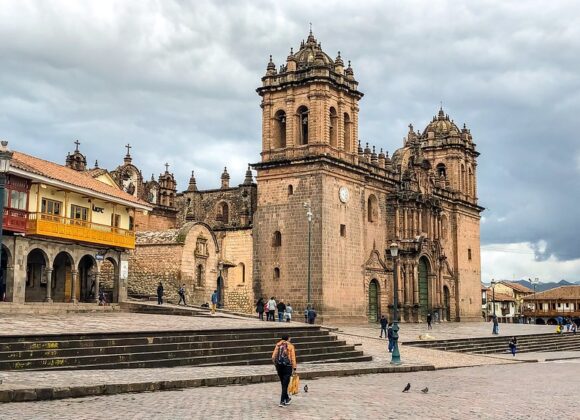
[[516, 286], [561, 293], [69, 176]]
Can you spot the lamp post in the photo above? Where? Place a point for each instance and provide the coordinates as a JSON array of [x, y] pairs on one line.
[[309, 216], [493, 283], [534, 283], [5, 158], [396, 356]]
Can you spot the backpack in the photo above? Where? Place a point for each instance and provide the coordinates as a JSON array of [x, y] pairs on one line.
[[283, 358]]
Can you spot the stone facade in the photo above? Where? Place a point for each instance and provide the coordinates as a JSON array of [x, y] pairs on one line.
[[424, 199]]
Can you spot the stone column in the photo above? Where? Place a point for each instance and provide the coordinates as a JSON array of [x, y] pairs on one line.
[[97, 280], [73, 289], [415, 284], [48, 274]]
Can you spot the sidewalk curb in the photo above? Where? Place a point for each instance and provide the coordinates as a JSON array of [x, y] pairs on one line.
[[56, 393]]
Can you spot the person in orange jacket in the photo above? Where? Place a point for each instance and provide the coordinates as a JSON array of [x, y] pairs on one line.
[[284, 358]]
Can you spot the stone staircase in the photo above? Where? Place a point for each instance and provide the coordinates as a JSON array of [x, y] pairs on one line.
[[165, 309], [169, 348], [499, 344]]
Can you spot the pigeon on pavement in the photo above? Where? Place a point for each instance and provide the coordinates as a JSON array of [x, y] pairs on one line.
[[407, 388], [424, 391], [305, 388]]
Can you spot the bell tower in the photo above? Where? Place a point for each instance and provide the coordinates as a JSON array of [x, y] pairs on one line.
[[309, 106]]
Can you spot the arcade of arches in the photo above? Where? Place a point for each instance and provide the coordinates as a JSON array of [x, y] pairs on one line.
[[53, 272]]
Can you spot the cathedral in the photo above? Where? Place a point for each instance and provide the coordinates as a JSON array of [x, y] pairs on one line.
[[256, 240], [423, 198]]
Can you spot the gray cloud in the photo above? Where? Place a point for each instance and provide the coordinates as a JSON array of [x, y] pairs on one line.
[[177, 79]]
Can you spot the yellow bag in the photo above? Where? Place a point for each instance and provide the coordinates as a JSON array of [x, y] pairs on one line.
[[294, 385]]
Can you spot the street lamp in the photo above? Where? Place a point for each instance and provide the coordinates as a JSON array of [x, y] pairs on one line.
[[534, 283], [396, 356], [309, 216], [493, 283], [5, 158]]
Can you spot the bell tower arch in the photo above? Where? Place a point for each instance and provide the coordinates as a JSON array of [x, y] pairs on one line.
[[309, 105]]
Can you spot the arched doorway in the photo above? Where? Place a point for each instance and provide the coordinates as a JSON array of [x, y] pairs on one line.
[[62, 277], [423, 286], [4, 273], [373, 301], [87, 279], [108, 276], [220, 291], [540, 321], [36, 280], [446, 304]]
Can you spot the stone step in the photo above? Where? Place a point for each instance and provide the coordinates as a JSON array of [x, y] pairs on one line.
[[215, 347], [173, 359], [197, 335], [201, 341], [504, 342]]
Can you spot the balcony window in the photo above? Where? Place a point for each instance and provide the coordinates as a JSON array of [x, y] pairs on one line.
[[116, 220], [51, 207], [79, 212], [17, 200]]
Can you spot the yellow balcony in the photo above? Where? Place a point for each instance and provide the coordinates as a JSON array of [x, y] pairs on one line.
[[78, 230]]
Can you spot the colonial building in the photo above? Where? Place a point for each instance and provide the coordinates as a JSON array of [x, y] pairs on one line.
[[517, 292], [62, 225], [424, 198], [545, 307]]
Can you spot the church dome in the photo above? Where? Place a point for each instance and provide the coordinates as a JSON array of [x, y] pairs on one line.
[[311, 54], [441, 126]]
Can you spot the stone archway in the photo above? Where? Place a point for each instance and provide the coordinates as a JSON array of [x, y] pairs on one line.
[[62, 277], [108, 277], [6, 274], [374, 299], [424, 302], [87, 279], [37, 262]]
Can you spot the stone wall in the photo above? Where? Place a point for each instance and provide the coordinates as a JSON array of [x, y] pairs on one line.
[[157, 220], [153, 263]]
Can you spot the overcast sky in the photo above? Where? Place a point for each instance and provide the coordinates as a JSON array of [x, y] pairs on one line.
[[177, 80]]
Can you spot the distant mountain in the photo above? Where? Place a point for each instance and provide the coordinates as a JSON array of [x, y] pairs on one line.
[[541, 287]]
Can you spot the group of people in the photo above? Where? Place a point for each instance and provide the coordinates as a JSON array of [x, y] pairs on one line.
[[566, 324], [270, 307], [284, 311]]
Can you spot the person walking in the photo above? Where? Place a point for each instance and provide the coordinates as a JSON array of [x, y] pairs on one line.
[[390, 337], [429, 320], [513, 345], [495, 329], [281, 308], [181, 293], [260, 309], [306, 315], [311, 315], [214, 301], [384, 323], [271, 309], [288, 313], [160, 294], [284, 358]]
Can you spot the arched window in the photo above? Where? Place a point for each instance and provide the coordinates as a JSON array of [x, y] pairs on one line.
[[223, 213], [242, 269], [303, 125], [333, 127], [470, 183], [372, 208], [279, 134], [277, 239], [462, 179], [347, 130], [441, 170], [276, 273], [290, 189], [199, 275]]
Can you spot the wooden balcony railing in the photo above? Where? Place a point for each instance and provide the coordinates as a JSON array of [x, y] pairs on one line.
[[78, 230], [15, 220], [552, 312]]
